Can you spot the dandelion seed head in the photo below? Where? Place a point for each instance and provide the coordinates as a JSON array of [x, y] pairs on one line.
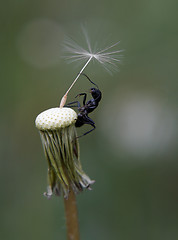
[[55, 118], [61, 147]]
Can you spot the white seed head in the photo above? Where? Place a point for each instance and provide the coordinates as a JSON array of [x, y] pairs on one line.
[[55, 118]]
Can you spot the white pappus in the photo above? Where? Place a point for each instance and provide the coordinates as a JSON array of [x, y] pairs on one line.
[[107, 57]]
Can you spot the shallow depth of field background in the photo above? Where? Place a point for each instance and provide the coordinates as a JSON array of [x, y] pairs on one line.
[[133, 153]]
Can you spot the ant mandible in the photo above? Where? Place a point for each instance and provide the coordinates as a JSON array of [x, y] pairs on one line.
[[87, 107]]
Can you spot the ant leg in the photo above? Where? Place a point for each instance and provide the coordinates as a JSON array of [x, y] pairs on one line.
[[70, 104], [89, 130], [89, 121], [84, 98]]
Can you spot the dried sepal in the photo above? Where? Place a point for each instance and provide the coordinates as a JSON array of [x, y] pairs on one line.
[[61, 149]]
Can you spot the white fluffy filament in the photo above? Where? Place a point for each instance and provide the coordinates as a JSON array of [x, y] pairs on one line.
[[76, 53]]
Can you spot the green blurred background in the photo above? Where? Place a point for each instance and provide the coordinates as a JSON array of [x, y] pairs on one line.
[[133, 153]]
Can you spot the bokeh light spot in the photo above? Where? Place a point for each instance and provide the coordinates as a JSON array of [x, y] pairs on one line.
[[39, 43]]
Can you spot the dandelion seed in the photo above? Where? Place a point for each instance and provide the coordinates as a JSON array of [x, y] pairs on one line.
[[75, 53], [107, 58]]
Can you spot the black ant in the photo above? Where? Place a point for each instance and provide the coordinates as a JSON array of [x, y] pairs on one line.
[[87, 107]]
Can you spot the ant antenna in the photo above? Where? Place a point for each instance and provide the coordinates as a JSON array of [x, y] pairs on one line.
[[89, 79]]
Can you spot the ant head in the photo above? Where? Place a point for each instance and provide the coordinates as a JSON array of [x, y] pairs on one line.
[[93, 90], [96, 93]]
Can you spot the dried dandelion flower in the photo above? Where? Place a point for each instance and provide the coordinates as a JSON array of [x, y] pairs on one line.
[[59, 138], [61, 148]]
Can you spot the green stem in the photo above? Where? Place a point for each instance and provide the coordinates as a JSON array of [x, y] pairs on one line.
[[71, 217]]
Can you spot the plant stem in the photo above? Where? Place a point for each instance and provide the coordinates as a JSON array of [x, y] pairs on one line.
[[71, 217]]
